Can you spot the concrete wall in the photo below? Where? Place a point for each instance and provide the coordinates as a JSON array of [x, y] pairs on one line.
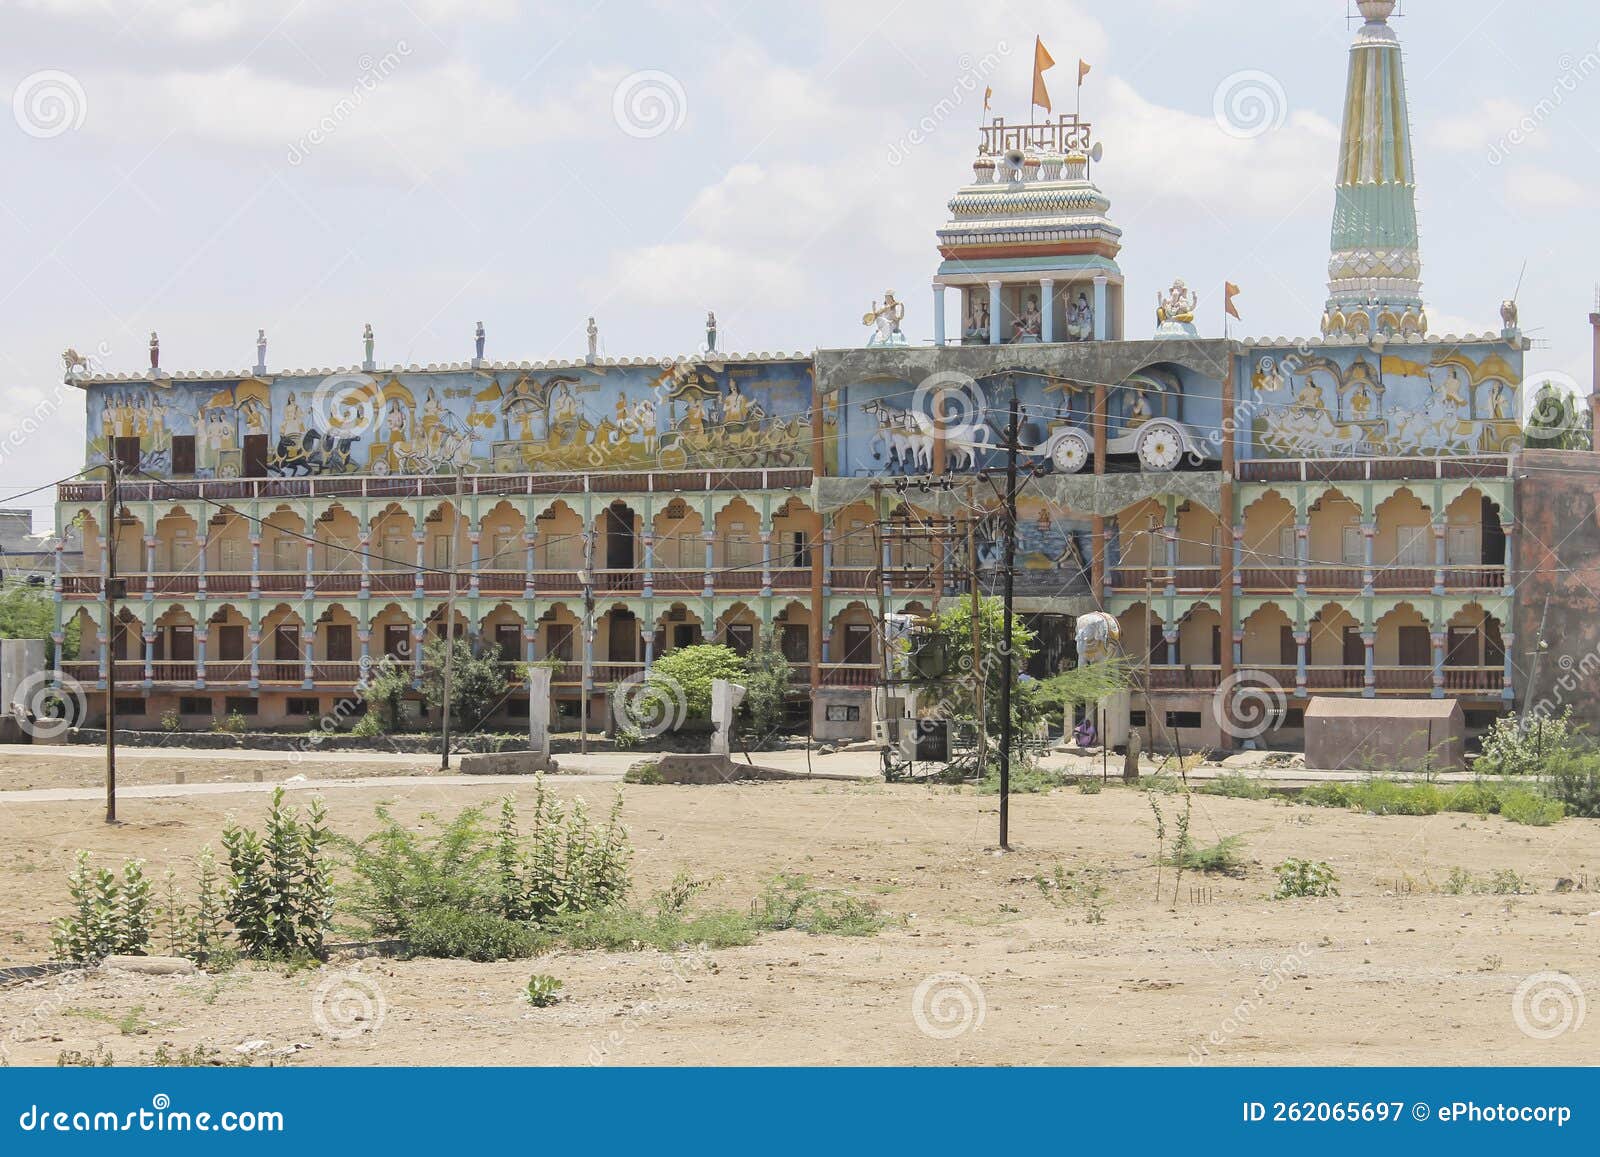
[[1557, 577]]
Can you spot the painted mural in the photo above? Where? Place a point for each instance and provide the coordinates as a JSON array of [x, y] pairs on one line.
[[682, 416], [1456, 399]]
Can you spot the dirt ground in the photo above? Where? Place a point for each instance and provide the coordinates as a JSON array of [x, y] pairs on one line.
[[981, 966], [24, 769]]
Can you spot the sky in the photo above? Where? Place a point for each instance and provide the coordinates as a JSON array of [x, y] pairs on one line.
[[206, 169]]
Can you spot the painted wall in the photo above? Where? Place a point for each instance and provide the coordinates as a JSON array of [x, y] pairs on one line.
[[1353, 402], [721, 415]]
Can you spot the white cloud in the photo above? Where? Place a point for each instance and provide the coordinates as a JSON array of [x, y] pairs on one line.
[[1478, 129], [1532, 188]]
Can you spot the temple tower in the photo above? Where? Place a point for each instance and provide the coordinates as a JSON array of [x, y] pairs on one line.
[[1374, 277], [1029, 247]]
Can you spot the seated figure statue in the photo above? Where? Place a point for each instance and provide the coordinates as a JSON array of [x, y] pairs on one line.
[[1080, 319], [1026, 328]]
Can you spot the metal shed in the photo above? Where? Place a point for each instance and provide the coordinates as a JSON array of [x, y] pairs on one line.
[[1385, 735]]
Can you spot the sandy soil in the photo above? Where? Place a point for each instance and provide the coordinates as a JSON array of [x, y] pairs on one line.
[[1391, 971], [23, 768]]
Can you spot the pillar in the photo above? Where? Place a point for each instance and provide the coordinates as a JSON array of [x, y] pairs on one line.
[[1439, 559], [527, 574], [420, 537], [1437, 638], [1169, 534], [149, 657], [419, 632], [827, 554], [255, 656], [1369, 678], [200, 632], [1047, 309], [1509, 638], [649, 564], [711, 562], [364, 664], [365, 543], [1301, 639], [474, 538], [994, 313], [766, 562], [1302, 556], [1102, 326], [311, 568], [150, 565], [309, 655], [1369, 533], [200, 564], [938, 314], [1170, 634], [1236, 549]]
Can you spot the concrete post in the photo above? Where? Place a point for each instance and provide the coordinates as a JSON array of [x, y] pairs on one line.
[[1102, 323], [938, 314], [1047, 309], [994, 313]]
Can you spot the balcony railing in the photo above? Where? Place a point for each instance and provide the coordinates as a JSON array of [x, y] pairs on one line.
[[1373, 469], [1270, 579], [440, 486]]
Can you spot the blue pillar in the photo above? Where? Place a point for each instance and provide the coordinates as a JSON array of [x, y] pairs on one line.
[[1102, 323], [1437, 638], [1370, 676], [1047, 309], [938, 315], [994, 313], [1301, 638]]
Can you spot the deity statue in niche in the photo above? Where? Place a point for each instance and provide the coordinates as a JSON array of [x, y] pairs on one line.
[[1027, 327], [885, 321], [1080, 319], [976, 330]]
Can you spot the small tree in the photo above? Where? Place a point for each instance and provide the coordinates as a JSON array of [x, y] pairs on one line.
[[686, 673], [383, 691], [1554, 422], [477, 682], [949, 675], [30, 613], [279, 898], [767, 691]]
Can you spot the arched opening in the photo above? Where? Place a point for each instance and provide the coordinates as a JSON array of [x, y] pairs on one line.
[[619, 528], [1269, 638]]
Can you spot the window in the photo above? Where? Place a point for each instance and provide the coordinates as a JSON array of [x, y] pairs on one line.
[[183, 453], [508, 639], [741, 638], [442, 559], [1352, 552], [397, 641], [685, 635], [243, 704], [337, 638], [286, 643], [230, 643], [1294, 717], [1416, 650], [130, 706], [195, 705], [230, 553], [180, 648], [1288, 548], [1413, 545], [286, 555], [1136, 719], [858, 643], [558, 642], [1288, 649], [1462, 547], [255, 456], [796, 643], [1462, 647], [799, 551], [843, 713], [1355, 650], [126, 452], [302, 705], [1188, 720], [515, 707]]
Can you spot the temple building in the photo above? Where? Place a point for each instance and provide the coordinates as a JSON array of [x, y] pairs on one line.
[[1323, 516]]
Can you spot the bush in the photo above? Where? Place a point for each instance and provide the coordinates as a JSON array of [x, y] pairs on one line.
[[1303, 878], [789, 901], [278, 895], [542, 990], [458, 935], [1026, 779], [1235, 786], [233, 723], [109, 916], [477, 682], [1526, 806], [1223, 856], [1573, 779], [1514, 747]]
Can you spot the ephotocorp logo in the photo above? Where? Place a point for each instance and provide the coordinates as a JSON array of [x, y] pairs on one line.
[[648, 103], [1547, 1005], [49, 103], [346, 406], [1551, 406], [1249, 104], [959, 402], [1248, 704], [947, 1005], [47, 710], [348, 1004], [649, 704]]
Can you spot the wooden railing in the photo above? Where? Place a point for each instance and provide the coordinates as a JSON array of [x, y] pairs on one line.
[[440, 486]]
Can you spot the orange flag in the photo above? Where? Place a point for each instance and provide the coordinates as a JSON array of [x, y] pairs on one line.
[[987, 93], [1230, 291], [1041, 61], [1083, 71]]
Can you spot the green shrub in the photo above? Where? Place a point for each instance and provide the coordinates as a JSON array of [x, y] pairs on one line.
[[542, 990], [623, 929], [1479, 799], [789, 901], [110, 916], [1222, 856], [1235, 787], [1026, 779], [170, 720], [1500, 882], [1514, 747], [1303, 878], [1089, 786], [1526, 806], [1573, 779], [233, 723], [457, 935], [278, 895]]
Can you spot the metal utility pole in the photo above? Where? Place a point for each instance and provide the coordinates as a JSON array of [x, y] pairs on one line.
[[879, 543], [450, 621], [1007, 659], [979, 674], [112, 589], [1149, 645]]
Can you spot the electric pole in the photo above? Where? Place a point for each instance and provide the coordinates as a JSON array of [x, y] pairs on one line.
[[1007, 659], [112, 589], [450, 621], [980, 675]]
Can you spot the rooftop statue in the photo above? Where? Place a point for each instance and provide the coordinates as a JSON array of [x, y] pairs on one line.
[[1175, 311], [885, 321], [1080, 319]]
